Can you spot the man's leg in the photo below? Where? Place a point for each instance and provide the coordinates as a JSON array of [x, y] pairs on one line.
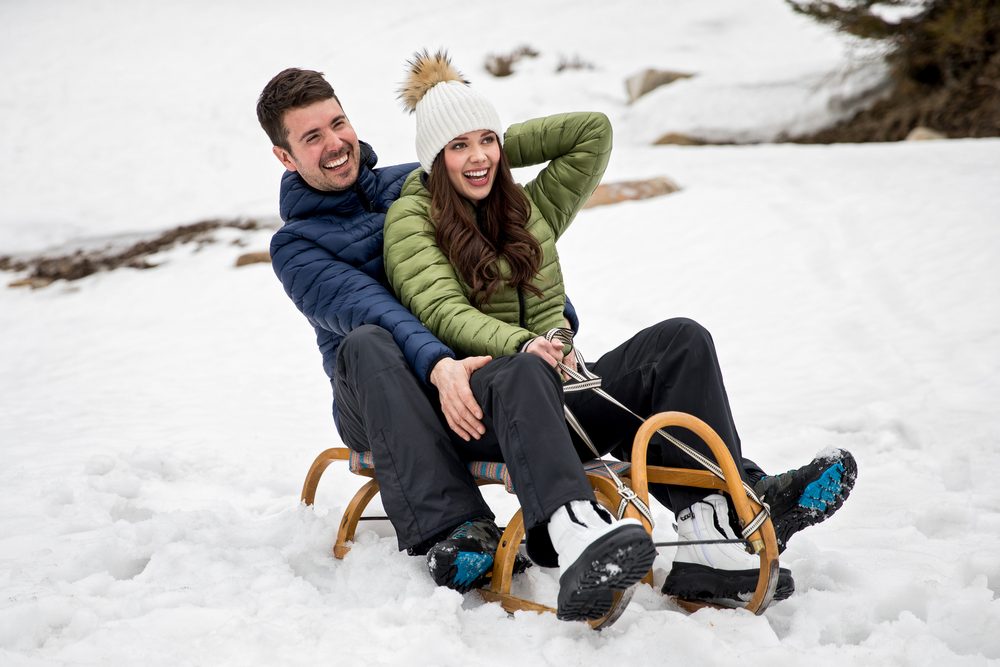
[[673, 366], [425, 486]]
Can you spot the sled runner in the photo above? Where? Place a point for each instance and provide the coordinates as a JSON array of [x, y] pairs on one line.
[[617, 496]]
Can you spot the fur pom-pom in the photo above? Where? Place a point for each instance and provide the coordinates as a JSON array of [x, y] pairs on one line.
[[425, 72]]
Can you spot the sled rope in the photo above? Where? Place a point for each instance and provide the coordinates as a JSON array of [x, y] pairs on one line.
[[584, 379], [582, 383]]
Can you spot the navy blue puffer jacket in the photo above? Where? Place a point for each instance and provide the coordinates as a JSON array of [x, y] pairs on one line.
[[328, 256]]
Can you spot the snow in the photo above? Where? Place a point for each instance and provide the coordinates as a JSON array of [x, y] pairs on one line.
[[156, 425]]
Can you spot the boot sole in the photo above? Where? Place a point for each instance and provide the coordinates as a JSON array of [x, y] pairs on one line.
[[820, 500], [727, 588], [614, 562]]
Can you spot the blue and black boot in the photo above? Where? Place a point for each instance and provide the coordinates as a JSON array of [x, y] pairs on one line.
[[464, 560], [811, 494]]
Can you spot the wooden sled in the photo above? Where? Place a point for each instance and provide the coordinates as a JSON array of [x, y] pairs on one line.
[[636, 474]]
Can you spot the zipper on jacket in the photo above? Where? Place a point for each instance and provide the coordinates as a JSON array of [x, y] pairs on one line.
[[520, 308], [365, 201]]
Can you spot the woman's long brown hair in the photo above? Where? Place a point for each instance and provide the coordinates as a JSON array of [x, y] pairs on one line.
[[474, 238]]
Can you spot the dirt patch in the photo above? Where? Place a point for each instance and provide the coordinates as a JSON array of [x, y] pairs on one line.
[[967, 108], [614, 193], [944, 64], [45, 269]]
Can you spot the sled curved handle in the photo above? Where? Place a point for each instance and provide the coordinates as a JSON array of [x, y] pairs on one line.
[[319, 465], [762, 540]]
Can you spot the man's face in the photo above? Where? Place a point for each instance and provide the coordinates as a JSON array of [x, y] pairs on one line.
[[325, 149]]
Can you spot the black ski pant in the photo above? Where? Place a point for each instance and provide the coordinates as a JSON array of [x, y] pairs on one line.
[[420, 462], [670, 366]]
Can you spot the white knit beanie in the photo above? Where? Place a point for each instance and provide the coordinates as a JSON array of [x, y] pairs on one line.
[[445, 105]]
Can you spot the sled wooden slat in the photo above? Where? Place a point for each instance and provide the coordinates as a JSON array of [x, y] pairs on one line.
[[511, 603], [683, 477], [638, 476]]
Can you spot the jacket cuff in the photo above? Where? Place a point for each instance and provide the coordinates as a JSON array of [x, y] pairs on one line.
[[432, 364], [570, 313]]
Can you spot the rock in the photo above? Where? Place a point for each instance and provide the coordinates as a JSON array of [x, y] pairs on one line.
[[639, 84], [253, 258], [32, 282], [678, 139], [613, 193], [921, 133], [46, 269]]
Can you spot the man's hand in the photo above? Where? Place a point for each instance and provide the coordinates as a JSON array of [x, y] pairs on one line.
[[459, 406]]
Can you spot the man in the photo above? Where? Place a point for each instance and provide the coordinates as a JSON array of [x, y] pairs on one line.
[[329, 259], [397, 388]]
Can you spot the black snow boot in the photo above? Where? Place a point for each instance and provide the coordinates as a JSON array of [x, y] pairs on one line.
[[808, 495], [464, 560]]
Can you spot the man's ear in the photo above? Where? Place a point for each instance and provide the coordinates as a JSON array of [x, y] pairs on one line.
[[284, 157]]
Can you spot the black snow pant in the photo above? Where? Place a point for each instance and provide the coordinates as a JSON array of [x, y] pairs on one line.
[[668, 366], [420, 466], [420, 463]]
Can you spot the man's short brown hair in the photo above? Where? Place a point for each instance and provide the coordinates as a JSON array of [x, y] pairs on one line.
[[289, 89]]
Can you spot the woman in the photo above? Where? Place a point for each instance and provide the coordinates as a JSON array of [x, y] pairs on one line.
[[485, 278], [473, 256]]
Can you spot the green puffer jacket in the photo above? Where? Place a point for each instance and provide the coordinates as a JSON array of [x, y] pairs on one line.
[[577, 147]]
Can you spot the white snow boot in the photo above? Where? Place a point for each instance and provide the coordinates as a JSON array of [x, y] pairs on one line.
[[597, 556], [723, 574]]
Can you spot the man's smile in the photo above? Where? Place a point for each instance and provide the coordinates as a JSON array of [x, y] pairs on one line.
[[335, 162]]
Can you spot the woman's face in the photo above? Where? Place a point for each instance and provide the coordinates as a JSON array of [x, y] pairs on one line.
[[472, 160]]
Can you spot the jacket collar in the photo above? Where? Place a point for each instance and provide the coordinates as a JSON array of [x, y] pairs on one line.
[[298, 199]]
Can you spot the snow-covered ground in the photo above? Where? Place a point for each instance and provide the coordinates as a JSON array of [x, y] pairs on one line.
[[156, 426]]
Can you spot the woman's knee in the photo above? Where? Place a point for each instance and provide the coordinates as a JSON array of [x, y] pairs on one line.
[[683, 329], [520, 370], [531, 363]]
